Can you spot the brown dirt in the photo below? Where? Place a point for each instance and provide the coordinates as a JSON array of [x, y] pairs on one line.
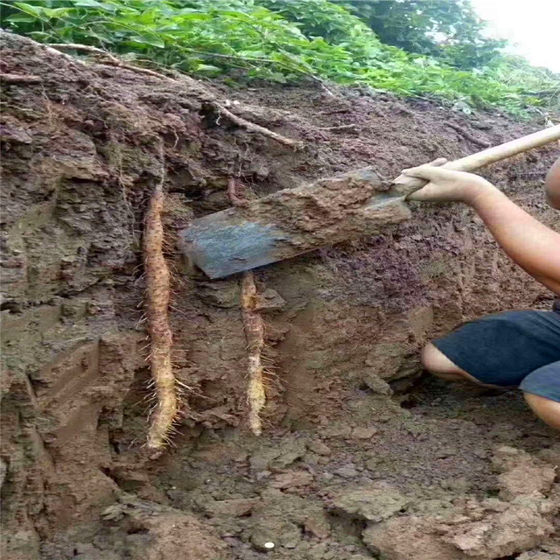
[[361, 456]]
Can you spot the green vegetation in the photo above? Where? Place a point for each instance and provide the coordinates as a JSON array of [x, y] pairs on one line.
[[448, 30], [290, 40]]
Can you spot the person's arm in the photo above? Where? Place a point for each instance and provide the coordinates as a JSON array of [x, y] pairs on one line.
[[552, 185], [532, 245]]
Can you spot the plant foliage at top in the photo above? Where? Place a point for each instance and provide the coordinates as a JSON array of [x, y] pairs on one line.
[[275, 40]]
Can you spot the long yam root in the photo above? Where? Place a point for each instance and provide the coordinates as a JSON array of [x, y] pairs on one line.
[[161, 338], [254, 333], [253, 326]]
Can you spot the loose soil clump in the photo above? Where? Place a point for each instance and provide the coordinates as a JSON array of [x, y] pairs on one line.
[[361, 456]]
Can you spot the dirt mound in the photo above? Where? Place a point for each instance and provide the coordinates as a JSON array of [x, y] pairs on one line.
[[492, 528], [343, 328]]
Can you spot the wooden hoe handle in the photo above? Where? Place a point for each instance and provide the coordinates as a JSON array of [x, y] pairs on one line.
[[407, 185]]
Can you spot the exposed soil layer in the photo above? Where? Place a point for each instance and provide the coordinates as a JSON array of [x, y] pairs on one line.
[[361, 455]]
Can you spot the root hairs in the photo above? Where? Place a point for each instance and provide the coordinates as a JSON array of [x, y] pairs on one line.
[[157, 304], [254, 333]]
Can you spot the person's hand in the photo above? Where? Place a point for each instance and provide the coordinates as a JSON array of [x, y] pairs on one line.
[[446, 185]]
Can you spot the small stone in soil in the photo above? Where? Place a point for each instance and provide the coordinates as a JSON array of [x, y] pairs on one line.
[[292, 450], [551, 455], [373, 463], [317, 525], [317, 446], [260, 539], [232, 508], [376, 384], [369, 502], [445, 452], [363, 432], [347, 471], [292, 479], [480, 453], [262, 475], [460, 485], [538, 555], [338, 431]]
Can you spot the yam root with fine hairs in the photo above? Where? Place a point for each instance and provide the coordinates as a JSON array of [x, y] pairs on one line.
[[253, 325], [157, 304], [254, 334]]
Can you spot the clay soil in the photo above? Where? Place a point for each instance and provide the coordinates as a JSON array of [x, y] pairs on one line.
[[362, 454]]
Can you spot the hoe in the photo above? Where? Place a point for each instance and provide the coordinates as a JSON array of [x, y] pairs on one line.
[[295, 221]]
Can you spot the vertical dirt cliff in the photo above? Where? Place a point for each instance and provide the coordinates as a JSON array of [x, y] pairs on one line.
[[360, 457]]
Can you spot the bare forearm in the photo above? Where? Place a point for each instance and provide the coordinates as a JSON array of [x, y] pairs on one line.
[[532, 245], [552, 185]]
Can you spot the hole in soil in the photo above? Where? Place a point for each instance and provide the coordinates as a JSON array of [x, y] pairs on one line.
[[11, 306], [346, 526], [115, 447], [410, 402], [109, 474], [137, 531]]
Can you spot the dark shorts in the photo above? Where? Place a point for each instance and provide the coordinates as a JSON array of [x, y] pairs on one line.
[[515, 348]]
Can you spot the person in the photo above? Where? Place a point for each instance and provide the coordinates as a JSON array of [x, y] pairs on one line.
[[513, 348]]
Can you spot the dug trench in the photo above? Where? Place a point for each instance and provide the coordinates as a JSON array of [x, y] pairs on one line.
[[361, 455]]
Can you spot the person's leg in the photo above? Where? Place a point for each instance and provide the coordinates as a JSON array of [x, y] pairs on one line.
[[498, 350], [438, 364], [541, 389], [547, 410]]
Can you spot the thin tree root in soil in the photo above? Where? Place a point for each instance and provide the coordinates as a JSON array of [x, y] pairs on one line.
[[239, 121], [235, 198], [20, 79], [252, 127], [253, 326], [108, 58], [161, 337]]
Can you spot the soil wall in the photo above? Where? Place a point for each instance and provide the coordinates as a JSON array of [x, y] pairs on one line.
[[343, 325]]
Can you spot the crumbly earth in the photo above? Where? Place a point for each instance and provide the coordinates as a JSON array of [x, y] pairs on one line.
[[362, 456]]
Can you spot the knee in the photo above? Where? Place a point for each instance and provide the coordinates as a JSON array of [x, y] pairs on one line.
[[546, 409], [436, 361], [438, 364]]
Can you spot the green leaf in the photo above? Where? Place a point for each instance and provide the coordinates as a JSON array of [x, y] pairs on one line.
[[144, 41], [90, 4], [208, 69], [56, 12], [35, 11], [21, 18]]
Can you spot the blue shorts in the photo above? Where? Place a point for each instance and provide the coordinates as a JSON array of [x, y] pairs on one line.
[[515, 348]]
